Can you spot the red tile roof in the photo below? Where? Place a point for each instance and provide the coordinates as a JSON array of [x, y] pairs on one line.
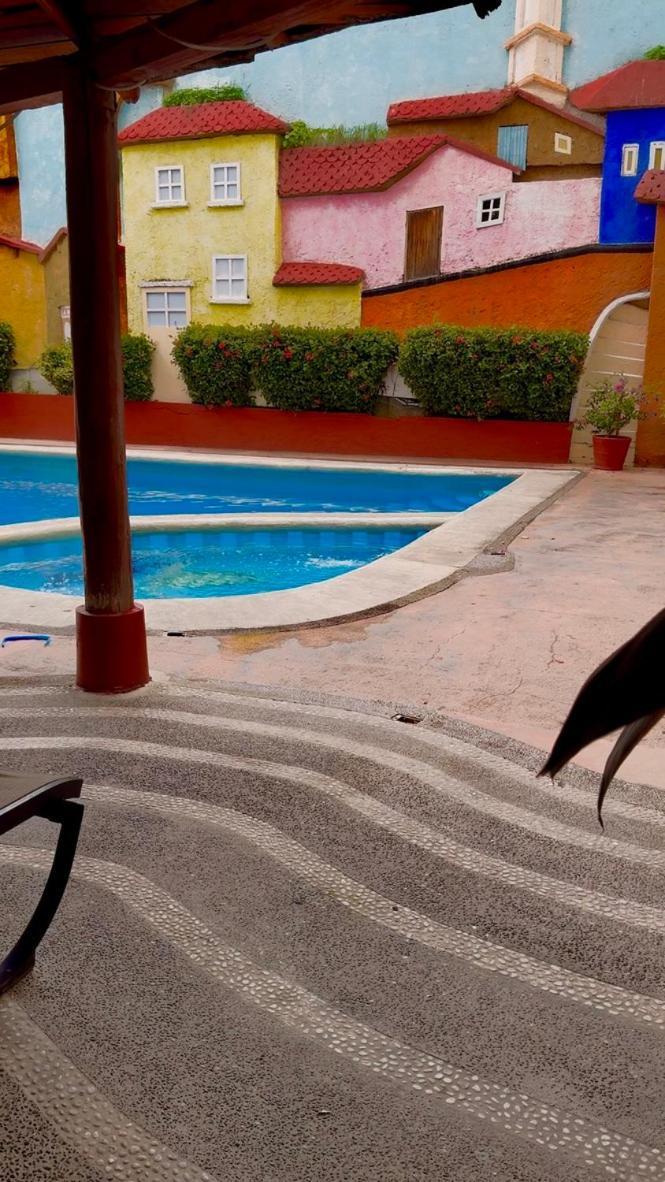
[[651, 188], [308, 274], [201, 121], [20, 244], [634, 86], [479, 102], [363, 168]]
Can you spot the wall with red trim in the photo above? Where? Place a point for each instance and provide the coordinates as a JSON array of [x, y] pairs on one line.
[[49, 417], [561, 293]]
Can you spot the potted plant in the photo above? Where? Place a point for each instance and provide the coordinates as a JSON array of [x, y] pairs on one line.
[[611, 406]]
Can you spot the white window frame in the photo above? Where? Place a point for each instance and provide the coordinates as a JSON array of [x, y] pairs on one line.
[[654, 147], [229, 299], [563, 144], [171, 203], [630, 158], [166, 289], [225, 201], [484, 224]]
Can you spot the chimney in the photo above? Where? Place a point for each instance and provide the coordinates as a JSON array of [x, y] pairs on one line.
[[535, 51]]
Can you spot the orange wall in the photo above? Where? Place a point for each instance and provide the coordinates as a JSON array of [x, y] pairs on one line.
[[650, 442], [561, 293]]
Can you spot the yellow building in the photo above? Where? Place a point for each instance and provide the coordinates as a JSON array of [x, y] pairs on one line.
[[202, 226], [35, 285]]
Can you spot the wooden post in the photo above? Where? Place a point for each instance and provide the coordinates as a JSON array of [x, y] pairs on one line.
[[111, 642]]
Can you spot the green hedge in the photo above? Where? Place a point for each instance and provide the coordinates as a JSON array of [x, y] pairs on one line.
[[490, 373], [217, 363], [294, 368], [57, 367], [327, 369], [7, 353]]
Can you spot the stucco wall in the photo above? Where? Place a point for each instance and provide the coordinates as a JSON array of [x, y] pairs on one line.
[[23, 303], [368, 229], [560, 293], [623, 219], [56, 275], [587, 146], [178, 244]]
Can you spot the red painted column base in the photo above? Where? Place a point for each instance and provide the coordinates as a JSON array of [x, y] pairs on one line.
[[111, 651]]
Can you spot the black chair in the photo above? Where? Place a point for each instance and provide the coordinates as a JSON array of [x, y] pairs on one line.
[[22, 797]]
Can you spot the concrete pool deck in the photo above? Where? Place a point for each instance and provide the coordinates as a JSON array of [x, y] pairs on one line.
[[507, 651]]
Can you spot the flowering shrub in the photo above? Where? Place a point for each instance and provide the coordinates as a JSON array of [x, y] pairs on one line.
[[56, 365], [217, 363], [294, 368], [7, 358], [329, 369], [612, 405], [493, 373]]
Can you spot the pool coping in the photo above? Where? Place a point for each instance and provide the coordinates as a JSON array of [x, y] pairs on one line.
[[423, 567]]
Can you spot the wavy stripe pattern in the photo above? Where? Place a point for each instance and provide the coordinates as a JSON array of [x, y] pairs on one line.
[[423, 836], [412, 925], [546, 1126]]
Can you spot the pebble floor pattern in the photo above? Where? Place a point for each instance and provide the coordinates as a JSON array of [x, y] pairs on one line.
[[303, 942]]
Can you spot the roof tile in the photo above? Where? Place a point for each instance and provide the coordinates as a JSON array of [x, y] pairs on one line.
[[635, 86], [363, 168], [480, 102], [651, 188], [198, 122], [308, 274]]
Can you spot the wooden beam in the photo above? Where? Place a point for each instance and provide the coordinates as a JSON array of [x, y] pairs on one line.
[[59, 13], [34, 84], [111, 647], [202, 32]]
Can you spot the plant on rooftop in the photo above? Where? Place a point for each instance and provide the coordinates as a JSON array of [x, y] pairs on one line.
[[7, 353], [657, 54], [302, 135], [57, 367], [190, 96], [493, 373], [216, 362], [325, 369]]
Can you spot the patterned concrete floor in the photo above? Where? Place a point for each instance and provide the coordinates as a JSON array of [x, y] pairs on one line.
[[305, 943]]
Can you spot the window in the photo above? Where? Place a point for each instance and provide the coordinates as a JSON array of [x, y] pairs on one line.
[[225, 184], [66, 321], [170, 185], [229, 278], [512, 143], [563, 143], [629, 159], [491, 209], [657, 154], [424, 231], [166, 308]]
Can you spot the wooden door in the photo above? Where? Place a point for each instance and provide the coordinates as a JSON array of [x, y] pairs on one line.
[[424, 232]]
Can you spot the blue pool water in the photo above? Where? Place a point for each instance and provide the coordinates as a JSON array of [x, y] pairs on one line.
[[204, 563], [36, 486]]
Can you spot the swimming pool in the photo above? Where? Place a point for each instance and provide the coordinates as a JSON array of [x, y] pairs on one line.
[[201, 564], [35, 486]]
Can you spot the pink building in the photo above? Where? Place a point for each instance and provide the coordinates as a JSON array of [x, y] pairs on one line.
[[413, 207]]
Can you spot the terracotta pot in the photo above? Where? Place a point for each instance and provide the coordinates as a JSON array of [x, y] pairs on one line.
[[610, 451]]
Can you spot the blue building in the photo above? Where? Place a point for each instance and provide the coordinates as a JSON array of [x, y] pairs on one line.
[[633, 98]]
